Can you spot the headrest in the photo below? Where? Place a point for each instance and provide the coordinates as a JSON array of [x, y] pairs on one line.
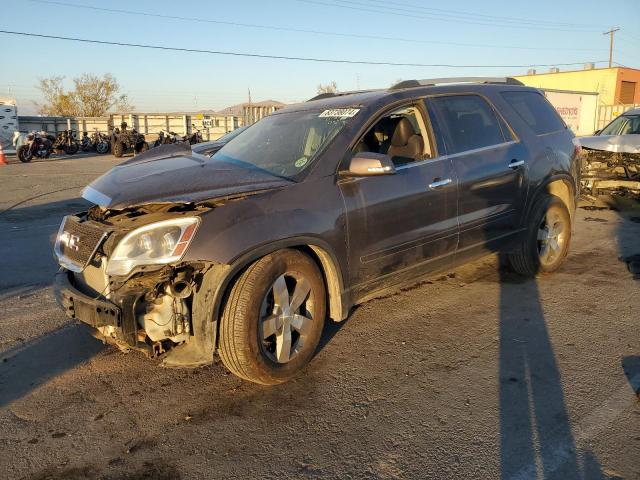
[[403, 132]]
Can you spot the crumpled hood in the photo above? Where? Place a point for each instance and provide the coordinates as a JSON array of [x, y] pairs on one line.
[[150, 178], [612, 143]]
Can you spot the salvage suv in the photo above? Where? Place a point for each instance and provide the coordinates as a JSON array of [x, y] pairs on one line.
[[314, 209]]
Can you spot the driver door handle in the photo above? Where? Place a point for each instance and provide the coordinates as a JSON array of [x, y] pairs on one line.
[[516, 163], [437, 183]]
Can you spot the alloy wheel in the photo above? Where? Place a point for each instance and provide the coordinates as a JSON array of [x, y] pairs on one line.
[[286, 319], [551, 238]]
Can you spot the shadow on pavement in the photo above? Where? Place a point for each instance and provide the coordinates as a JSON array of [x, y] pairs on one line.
[[631, 368], [536, 440], [25, 368]]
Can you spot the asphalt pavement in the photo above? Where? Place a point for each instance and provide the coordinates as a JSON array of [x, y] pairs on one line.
[[475, 374]]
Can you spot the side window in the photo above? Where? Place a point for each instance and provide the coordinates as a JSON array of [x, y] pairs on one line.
[[535, 110], [400, 134], [467, 122]]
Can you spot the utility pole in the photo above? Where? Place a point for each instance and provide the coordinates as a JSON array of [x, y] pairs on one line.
[[250, 112], [610, 33]]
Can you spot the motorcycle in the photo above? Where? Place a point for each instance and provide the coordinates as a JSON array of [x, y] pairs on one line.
[[86, 145], [166, 137], [37, 144], [195, 137], [98, 142], [66, 142], [125, 140]]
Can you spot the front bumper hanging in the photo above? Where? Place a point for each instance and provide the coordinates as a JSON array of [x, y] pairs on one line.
[[77, 305]]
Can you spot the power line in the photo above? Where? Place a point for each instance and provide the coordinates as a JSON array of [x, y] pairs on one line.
[[462, 14], [306, 31], [411, 14], [283, 57]]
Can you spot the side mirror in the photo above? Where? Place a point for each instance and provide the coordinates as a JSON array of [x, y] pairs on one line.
[[367, 164]]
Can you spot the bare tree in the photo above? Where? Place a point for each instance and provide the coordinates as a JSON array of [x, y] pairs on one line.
[[331, 87], [93, 96]]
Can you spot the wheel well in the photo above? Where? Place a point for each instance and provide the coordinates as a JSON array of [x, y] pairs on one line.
[[564, 191], [331, 278], [326, 264]]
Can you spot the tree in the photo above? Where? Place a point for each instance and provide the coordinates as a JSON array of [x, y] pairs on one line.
[[331, 87], [92, 96]]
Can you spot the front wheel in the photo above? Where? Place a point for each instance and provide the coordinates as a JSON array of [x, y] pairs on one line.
[[102, 147], [273, 319], [23, 154], [546, 242], [71, 148]]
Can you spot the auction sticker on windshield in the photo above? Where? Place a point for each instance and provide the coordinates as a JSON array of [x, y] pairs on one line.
[[339, 113]]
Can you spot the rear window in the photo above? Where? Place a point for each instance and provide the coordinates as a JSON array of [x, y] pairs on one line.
[[535, 110], [467, 122]]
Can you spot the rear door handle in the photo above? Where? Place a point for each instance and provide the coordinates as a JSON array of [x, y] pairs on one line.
[[516, 163], [437, 183]]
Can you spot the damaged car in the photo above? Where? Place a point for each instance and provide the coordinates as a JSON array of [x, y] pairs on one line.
[[314, 209], [611, 157]]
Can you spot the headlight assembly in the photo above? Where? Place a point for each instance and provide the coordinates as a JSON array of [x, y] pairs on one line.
[[158, 243]]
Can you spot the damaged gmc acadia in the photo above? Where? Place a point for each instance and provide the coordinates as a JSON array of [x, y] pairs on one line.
[[314, 209]]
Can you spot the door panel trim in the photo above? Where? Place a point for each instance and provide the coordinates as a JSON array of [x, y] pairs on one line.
[[451, 232], [404, 270]]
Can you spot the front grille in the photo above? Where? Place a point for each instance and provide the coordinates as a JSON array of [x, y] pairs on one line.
[[78, 241]]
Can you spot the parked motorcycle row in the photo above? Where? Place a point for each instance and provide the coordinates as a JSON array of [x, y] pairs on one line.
[[43, 144], [165, 137], [120, 141]]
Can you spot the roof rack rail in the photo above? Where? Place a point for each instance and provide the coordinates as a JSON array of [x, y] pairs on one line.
[[443, 81], [336, 94]]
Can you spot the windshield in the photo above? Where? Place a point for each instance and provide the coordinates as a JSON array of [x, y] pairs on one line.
[[231, 135], [623, 125], [285, 144]]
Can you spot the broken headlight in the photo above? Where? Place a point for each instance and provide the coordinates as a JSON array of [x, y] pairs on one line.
[[158, 243]]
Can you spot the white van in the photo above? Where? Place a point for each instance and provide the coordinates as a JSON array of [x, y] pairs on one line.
[[8, 124]]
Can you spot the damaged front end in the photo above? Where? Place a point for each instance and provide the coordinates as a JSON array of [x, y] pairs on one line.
[[122, 274], [610, 172]]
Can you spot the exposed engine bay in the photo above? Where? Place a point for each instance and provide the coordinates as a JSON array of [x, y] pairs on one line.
[[607, 172], [150, 308]]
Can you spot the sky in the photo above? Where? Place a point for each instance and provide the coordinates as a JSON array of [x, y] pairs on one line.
[[501, 37]]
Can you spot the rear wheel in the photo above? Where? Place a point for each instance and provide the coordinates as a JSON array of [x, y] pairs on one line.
[[117, 149], [546, 241], [273, 318]]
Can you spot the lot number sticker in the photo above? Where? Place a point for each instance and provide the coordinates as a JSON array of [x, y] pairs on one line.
[[339, 113]]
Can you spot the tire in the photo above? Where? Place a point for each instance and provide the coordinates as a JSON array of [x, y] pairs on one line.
[[246, 346], [117, 148], [143, 147], [102, 147], [538, 251], [71, 149], [23, 154]]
